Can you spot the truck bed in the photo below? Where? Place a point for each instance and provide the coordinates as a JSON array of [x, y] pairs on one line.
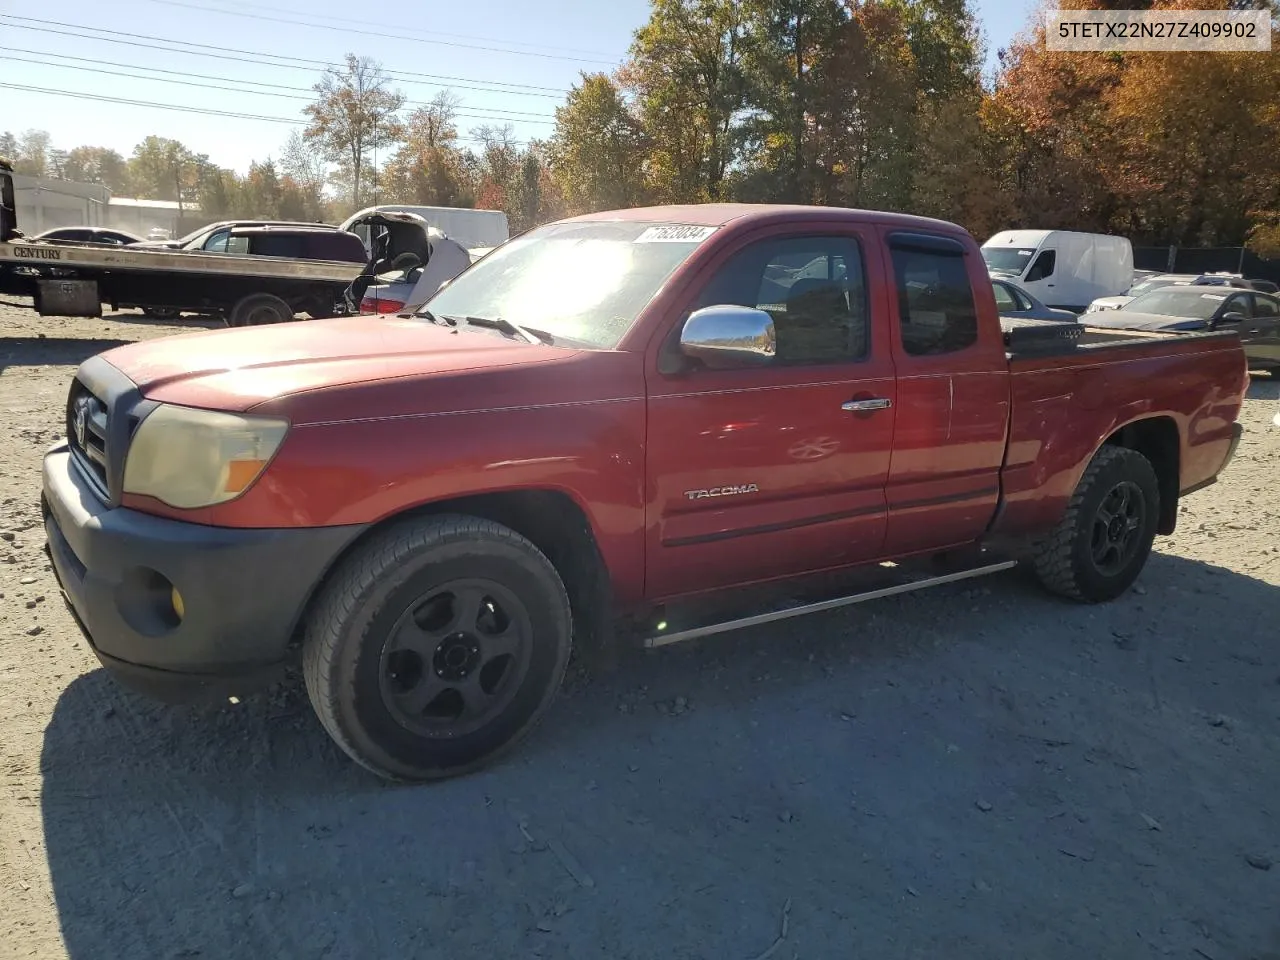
[[1042, 339], [1066, 394]]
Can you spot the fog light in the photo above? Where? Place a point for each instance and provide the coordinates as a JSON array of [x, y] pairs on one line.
[[178, 606]]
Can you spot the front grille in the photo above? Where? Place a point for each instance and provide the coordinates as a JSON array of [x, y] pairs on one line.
[[87, 423]]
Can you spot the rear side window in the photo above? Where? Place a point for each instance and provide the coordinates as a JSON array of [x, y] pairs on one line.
[[1264, 306], [336, 246], [279, 245], [936, 310]]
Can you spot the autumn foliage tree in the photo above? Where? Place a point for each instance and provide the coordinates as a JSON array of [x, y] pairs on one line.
[[882, 104], [1166, 148], [354, 115], [599, 150], [866, 103]]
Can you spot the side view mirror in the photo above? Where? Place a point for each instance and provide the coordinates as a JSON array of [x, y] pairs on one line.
[[1234, 316], [729, 335]]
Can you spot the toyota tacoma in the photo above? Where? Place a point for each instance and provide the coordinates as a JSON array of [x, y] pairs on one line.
[[654, 423]]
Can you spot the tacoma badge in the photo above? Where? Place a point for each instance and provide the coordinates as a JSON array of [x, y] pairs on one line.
[[730, 491]]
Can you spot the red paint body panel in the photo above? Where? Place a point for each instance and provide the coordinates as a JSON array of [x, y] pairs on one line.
[[944, 484], [392, 414], [241, 368], [1063, 408]]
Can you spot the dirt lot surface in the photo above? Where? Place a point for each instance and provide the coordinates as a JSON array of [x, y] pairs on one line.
[[976, 772]]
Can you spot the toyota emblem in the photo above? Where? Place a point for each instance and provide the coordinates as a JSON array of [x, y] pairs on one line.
[[80, 420]]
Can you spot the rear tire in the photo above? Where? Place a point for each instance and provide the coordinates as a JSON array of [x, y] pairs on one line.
[[436, 647], [258, 309], [1102, 542]]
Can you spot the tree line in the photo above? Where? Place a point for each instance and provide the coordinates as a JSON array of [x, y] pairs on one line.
[[866, 103]]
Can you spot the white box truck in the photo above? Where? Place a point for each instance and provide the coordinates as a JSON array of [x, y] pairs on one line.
[[1065, 269]]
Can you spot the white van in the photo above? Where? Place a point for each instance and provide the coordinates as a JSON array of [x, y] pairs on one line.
[[1065, 269], [469, 227]]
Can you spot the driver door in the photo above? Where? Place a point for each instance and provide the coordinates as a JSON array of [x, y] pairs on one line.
[[766, 471]]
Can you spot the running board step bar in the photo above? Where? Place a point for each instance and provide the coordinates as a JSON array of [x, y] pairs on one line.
[[661, 632]]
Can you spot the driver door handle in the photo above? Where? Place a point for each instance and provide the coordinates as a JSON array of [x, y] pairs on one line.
[[875, 403]]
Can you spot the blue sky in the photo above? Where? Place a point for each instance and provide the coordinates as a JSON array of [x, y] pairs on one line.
[[510, 60]]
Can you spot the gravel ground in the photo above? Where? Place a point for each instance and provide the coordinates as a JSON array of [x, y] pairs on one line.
[[980, 771]]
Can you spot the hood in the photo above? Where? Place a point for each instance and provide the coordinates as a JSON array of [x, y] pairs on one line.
[[1109, 303], [236, 369], [1132, 320]]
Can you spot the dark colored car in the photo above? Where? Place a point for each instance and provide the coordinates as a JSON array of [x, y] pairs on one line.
[[258, 238], [312, 242], [199, 239], [1013, 301], [1256, 315], [119, 238]]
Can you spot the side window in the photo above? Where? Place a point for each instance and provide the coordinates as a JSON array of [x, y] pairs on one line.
[[1238, 304], [1264, 306], [935, 300], [1023, 302], [335, 246], [218, 242], [813, 287], [278, 245], [238, 245], [1004, 297], [1043, 267], [361, 230]]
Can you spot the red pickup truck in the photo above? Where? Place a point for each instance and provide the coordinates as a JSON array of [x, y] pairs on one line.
[[679, 420]]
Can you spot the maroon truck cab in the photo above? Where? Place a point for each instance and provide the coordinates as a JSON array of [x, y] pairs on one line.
[[630, 416]]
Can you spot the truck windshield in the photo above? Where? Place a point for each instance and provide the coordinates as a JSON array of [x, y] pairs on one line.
[[584, 282], [1007, 259]]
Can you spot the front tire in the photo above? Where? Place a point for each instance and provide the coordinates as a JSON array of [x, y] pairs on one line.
[[1102, 542], [437, 647]]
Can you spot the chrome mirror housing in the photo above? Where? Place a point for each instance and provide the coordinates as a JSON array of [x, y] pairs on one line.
[[727, 334]]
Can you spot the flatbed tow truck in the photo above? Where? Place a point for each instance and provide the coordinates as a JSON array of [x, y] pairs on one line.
[[75, 280]]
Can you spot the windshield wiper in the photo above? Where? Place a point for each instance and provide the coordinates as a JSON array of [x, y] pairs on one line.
[[506, 326]]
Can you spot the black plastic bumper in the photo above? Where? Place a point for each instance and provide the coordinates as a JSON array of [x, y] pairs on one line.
[[241, 591]]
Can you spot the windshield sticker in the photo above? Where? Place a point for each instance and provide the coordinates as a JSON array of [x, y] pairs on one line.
[[675, 233], [1213, 296]]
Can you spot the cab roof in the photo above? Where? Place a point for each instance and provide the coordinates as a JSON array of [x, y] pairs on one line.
[[720, 214]]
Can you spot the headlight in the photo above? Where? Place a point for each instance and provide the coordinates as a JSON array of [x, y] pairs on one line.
[[189, 458]]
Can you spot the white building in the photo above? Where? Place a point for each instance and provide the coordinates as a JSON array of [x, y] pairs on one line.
[[44, 203], [141, 216]]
